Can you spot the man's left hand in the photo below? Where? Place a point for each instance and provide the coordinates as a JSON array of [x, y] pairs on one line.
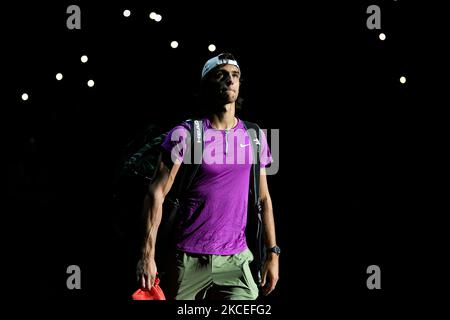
[[270, 273]]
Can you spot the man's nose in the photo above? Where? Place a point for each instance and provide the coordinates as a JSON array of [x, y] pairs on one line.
[[229, 79]]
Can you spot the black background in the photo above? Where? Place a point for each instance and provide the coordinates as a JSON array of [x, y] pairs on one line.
[[355, 143]]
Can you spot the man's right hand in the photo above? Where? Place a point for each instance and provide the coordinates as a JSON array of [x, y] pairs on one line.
[[147, 272]]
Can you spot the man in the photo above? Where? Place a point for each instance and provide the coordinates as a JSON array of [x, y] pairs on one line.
[[213, 257]]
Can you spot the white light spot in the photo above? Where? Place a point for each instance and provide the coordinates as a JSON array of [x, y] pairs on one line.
[[402, 80], [158, 18], [174, 44], [84, 59], [24, 97], [382, 36], [152, 15], [59, 76], [90, 83], [212, 48], [126, 13]]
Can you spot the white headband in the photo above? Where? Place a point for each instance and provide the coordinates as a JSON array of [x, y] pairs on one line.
[[214, 62]]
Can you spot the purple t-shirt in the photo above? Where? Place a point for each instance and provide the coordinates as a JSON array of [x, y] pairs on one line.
[[214, 209]]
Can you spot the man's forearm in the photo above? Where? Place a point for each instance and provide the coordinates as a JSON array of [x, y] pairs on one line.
[[153, 214], [269, 223]]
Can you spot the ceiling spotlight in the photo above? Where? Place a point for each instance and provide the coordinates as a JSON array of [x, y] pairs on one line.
[[84, 59], [382, 36], [174, 44], [24, 97], [402, 80], [152, 15], [126, 13], [158, 18], [59, 76], [90, 83], [212, 48]]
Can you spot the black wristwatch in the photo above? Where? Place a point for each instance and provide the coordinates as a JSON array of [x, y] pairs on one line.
[[275, 249]]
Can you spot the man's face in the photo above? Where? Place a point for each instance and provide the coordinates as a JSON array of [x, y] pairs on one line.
[[226, 80]]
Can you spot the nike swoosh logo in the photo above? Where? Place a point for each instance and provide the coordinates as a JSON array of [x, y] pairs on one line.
[[244, 145]]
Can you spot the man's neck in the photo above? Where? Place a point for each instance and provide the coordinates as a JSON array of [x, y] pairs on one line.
[[225, 119]]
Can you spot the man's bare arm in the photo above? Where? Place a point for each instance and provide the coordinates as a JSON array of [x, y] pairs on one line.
[[153, 202], [271, 265]]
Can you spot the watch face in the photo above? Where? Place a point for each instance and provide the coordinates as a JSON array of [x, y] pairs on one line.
[[276, 249]]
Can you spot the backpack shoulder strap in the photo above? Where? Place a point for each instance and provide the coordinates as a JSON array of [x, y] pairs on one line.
[[253, 132], [189, 168]]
